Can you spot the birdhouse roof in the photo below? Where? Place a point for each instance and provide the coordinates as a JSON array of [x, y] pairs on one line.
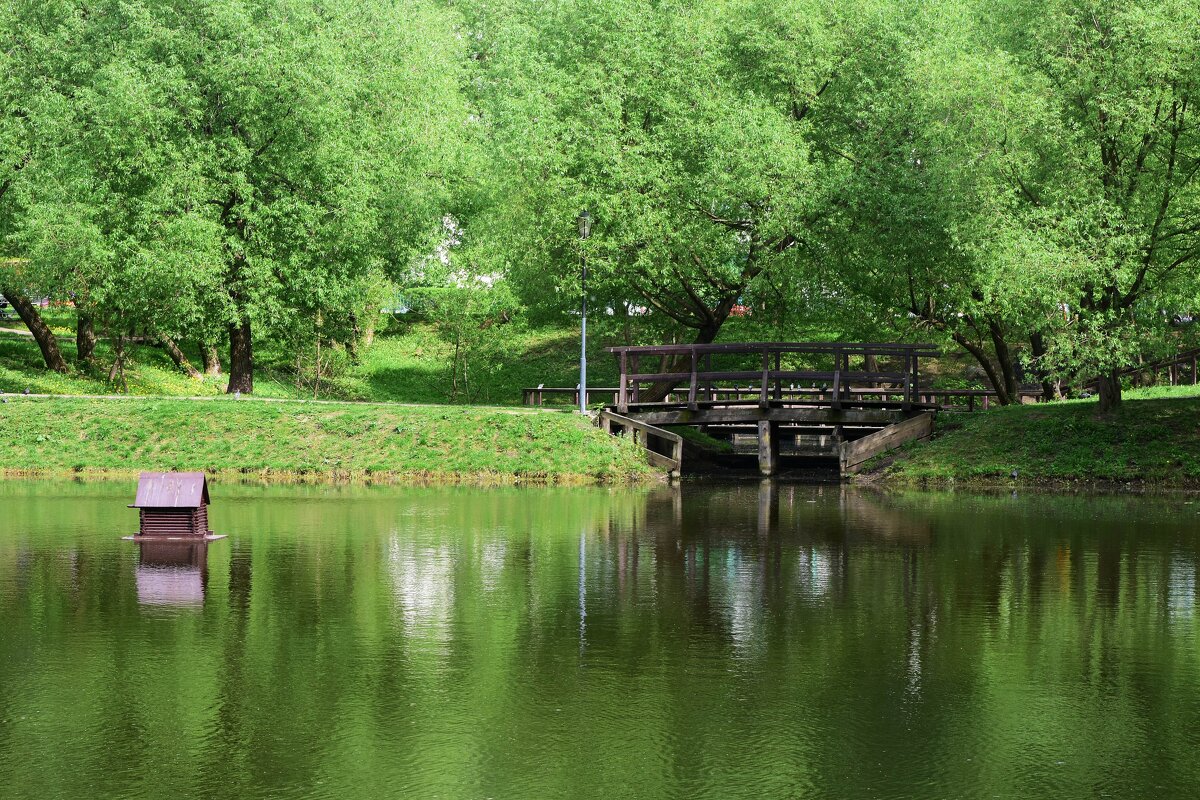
[[171, 490]]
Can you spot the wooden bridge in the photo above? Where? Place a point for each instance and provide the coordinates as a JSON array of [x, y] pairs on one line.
[[841, 400], [848, 401]]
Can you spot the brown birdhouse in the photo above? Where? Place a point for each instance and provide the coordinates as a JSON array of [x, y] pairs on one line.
[[172, 504]]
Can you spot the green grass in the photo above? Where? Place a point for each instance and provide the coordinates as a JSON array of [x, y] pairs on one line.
[[409, 363], [289, 439], [1153, 438], [406, 363]]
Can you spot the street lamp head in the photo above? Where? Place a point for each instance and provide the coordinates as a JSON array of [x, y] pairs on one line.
[[585, 224]]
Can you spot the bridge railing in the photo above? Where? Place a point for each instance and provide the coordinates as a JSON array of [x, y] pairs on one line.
[[828, 368], [646, 436]]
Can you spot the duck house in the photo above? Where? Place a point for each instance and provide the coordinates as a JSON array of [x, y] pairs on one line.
[[172, 504]]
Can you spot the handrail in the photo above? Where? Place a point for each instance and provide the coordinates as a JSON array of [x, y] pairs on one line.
[[970, 398], [854, 348], [642, 432], [772, 374]]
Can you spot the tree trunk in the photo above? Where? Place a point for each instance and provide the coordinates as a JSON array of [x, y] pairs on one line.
[[1109, 386], [1004, 361], [85, 340], [1037, 345], [1002, 395], [178, 357], [37, 326], [707, 334], [241, 359], [117, 373], [212, 362], [355, 336]]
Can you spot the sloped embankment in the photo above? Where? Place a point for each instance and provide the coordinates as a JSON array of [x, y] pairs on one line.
[[1151, 439], [307, 440]]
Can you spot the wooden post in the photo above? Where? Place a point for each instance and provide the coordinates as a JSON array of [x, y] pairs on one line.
[[778, 380], [708, 369], [768, 447], [636, 384], [692, 386], [623, 386], [916, 373], [766, 379], [837, 381]]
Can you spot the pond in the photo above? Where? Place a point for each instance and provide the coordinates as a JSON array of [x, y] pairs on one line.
[[739, 640]]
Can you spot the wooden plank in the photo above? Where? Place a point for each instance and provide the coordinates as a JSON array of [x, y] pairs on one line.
[[659, 377], [692, 384], [877, 348], [661, 461], [623, 386], [752, 413], [641, 432], [854, 454]]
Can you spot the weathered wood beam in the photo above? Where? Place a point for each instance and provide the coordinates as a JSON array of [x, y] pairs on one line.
[[854, 454]]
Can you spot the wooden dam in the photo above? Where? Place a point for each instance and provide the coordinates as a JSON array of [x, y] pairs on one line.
[[845, 402]]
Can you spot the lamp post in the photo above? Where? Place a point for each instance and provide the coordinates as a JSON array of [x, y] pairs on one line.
[[585, 230]]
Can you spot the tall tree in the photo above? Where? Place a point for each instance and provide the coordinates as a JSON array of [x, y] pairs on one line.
[[693, 158], [235, 162], [1111, 174]]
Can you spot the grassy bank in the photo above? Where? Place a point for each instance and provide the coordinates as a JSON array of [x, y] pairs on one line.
[[1152, 439], [291, 439], [407, 363]]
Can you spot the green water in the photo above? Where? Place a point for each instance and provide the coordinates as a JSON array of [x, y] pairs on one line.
[[729, 641]]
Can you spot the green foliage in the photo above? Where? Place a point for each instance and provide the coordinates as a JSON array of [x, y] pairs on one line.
[[1029, 170], [475, 322], [693, 159], [190, 167], [407, 362], [1016, 178]]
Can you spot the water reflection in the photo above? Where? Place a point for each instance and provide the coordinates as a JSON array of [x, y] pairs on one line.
[[423, 581], [172, 573], [698, 641]]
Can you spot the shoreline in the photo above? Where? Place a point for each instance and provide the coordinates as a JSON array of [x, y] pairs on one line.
[[1038, 485], [484, 480]]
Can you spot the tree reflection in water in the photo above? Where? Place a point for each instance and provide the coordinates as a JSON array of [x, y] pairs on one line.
[[702, 641]]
